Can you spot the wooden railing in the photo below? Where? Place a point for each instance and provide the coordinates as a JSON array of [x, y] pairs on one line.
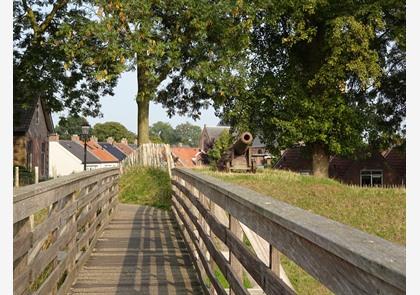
[[213, 216], [55, 224]]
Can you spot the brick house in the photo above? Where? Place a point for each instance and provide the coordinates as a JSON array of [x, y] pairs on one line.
[[32, 124], [376, 169], [209, 135]]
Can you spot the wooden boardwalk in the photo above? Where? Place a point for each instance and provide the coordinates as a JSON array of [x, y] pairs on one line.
[[140, 252]]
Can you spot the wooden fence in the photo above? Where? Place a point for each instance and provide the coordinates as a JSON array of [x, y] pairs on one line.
[[150, 155], [214, 215], [55, 225]]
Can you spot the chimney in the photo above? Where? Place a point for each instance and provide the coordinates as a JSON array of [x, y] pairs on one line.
[[94, 138], [124, 141], [54, 137], [110, 140], [75, 137]]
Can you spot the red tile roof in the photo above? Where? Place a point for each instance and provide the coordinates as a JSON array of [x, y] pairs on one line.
[[100, 152], [126, 149], [184, 156]]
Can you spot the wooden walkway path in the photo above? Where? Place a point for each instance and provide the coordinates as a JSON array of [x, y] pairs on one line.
[[140, 252]]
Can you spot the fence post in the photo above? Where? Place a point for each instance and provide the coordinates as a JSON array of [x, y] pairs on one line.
[[36, 174], [236, 229], [17, 176]]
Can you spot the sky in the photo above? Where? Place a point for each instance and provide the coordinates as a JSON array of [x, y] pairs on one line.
[[122, 108]]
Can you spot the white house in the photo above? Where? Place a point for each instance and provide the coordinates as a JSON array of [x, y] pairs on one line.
[[66, 157]]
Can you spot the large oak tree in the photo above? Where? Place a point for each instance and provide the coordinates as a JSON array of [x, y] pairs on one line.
[[328, 74], [186, 52]]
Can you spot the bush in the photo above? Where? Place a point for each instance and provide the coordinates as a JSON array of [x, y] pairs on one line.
[[219, 147]]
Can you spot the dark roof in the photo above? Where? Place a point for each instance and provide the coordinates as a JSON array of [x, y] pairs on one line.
[[77, 149], [216, 131], [23, 112], [257, 142], [113, 150]]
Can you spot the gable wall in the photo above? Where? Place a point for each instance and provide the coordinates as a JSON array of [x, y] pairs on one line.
[[38, 134]]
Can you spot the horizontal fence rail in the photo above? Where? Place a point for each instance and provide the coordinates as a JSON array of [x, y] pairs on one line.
[[214, 215], [55, 225]]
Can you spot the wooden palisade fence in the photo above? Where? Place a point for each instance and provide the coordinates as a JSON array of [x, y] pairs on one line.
[[150, 155], [56, 224], [344, 259]]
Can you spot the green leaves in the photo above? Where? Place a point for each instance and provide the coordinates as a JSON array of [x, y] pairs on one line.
[[112, 129], [322, 72], [59, 55]]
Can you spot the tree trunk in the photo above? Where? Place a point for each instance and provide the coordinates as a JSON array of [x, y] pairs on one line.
[[142, 108], [142, 120], [320, 161]]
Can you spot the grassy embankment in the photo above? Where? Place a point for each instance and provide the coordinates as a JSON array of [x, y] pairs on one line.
[[146, 186], [378, 211]]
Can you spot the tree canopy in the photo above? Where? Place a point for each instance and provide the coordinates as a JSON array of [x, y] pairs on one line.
[[329, 74], [59, 55], [188, 134], [71, 125], [112, 129], [163, 132], [185, 52]]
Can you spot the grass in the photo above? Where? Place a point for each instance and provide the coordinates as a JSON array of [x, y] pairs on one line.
[[146, 186], [378, 211]]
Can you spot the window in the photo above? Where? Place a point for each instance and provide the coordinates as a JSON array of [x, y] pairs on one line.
[[371, 177], [37, 113], [43, 159], [29, 155]]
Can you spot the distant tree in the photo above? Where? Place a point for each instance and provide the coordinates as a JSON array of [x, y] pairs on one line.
[[111, 129], [131, 136], [221, 144], [188, 134], [164, 132], [68, 126]]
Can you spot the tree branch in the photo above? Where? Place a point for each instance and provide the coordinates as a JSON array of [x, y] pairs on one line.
[[31, 17], [57, 6]]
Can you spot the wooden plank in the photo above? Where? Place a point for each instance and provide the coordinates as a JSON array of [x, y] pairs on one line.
[[26, 203], [236, 230], [261, 273], [210, 274], [339, 256], [21, 282], [224, 266], [21, 245], [180, 218]]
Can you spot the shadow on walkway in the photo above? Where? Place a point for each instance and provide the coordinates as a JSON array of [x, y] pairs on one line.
[[140, 252]]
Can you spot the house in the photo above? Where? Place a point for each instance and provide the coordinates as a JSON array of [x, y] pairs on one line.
[[67, 157], [107, 159], [32, 124], [113, 149], [185, 156], [396, 158], [124, 147], [209, 135], [260, 153], [373, 170]]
